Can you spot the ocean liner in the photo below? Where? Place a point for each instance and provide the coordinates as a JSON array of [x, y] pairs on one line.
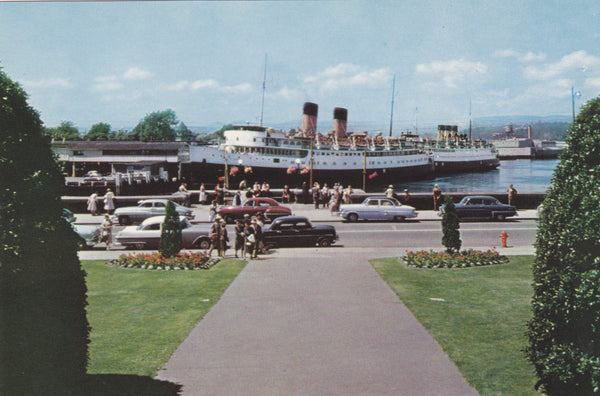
[[264, 154]]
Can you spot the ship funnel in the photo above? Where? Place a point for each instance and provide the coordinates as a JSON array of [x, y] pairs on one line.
[[309, 119], [340, 119]]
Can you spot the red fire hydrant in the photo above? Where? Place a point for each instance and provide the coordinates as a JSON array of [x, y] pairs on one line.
[[503, 238]]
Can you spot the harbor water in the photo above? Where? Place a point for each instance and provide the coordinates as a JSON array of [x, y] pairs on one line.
[[527, 176]]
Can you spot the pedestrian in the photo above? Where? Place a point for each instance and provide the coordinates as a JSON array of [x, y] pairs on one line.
[[258, 227], [325, 196], [220, 194], [512, 195], [316, 192], [437, 197], [286, 195], [106, 231], [237, 198], [348, 195], [250, 240], [215, 237], [390, 191], [239, 238], [92, 204], [304, 193], [202, 195], [109, 201], [212, 211], [224, 238], [405, 197], [334, 200]]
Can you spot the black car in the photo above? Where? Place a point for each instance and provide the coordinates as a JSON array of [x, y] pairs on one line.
[[298, 231], [482, 207]]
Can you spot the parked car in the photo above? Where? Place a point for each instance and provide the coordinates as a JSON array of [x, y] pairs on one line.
[[298, 231], [377, 208], [89, 234], [482, 207], [147, 208], [93, 175], [147, 234], [252, 206]]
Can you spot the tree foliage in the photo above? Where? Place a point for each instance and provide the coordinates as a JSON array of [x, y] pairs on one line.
[[44, 331], [183, 132], [450, 227], [99, 131], [157, 126], [564, 334], [170, 234], [66, 130]]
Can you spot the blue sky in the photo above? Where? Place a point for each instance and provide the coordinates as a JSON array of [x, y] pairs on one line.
[[115, 62]]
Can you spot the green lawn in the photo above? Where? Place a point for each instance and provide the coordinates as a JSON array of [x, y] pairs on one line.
[[481, 323], [140, 317]]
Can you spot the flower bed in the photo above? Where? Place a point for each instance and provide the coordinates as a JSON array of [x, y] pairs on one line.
[[181, 261], [463, 259]]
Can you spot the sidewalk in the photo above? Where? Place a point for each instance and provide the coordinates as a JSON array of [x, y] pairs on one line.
[[320, 324]]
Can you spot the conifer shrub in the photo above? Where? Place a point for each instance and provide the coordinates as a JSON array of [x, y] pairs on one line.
[[170, 235], [44, 332], [450, 227], [564, 333]]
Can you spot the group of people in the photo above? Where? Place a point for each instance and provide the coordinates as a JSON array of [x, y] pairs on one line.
[[248, 237], [108, 200]]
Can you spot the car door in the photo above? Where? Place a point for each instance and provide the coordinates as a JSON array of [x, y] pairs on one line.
[[284, 234], [304, 234], [150, 235], [159, 208], [387, 210]]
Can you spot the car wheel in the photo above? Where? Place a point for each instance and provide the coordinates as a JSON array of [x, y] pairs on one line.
[[124, 220], [352, 217], [500, 217], [399, 219], [324, 242], [202, 244]]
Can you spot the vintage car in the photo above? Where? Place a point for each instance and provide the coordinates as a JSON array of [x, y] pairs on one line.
[[252, 206], [93, 175], [482, 207], [148, 208], [377, 208], [147, 234], [89, 234], [298, 231]]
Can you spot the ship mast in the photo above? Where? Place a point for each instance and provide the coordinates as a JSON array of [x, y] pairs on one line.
[[470, 120], [264, 85], [392, 111]]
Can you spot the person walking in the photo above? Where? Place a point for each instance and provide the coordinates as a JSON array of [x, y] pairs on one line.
[[348, 195], [405, 197], [202, 195], [257, 224], [212, 211], [325, 196], [106, 231], [316, 192], [109, 202], [92, 204], [239, 238], [389, 193], [237, 198], [249, 240], [215, 237], [437, 197], [224, 238], [512, 195]]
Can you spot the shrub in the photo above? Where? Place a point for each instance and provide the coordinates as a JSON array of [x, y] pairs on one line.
[[463, 259], [170, 232], [564, 333], [451, 239], [44, 332], [180, 261]]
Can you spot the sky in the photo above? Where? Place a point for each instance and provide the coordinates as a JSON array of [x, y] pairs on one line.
[[116, 62]]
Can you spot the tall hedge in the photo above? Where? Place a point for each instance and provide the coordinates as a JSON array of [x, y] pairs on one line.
[[564, 334], [170, 234], [450, 227], [44, 332]]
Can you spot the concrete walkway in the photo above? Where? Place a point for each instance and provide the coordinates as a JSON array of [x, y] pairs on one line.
[[323, 323]]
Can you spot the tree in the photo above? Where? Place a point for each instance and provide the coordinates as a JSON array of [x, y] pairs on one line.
[[170, 233], [99, 131], [451, 238], [157, 126], [66, 130], [183, 132], [44, 332], [564, 333]]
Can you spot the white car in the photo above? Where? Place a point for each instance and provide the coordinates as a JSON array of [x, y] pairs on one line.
[[147, 234], [377, 208], [147, 208]]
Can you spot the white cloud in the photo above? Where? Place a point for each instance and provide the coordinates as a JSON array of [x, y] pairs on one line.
[[346, 75], [530, 57], [451, 72], [106, 83], [505, 53], [286, 92], [178, 86], [593, 83], [135, 73], [48, 83], [526, 57], [204, 84], [209, 84], [571, 63]]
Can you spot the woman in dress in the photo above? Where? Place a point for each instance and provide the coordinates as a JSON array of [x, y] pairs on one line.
[[202, 196], [92, 204], [109, 201]]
